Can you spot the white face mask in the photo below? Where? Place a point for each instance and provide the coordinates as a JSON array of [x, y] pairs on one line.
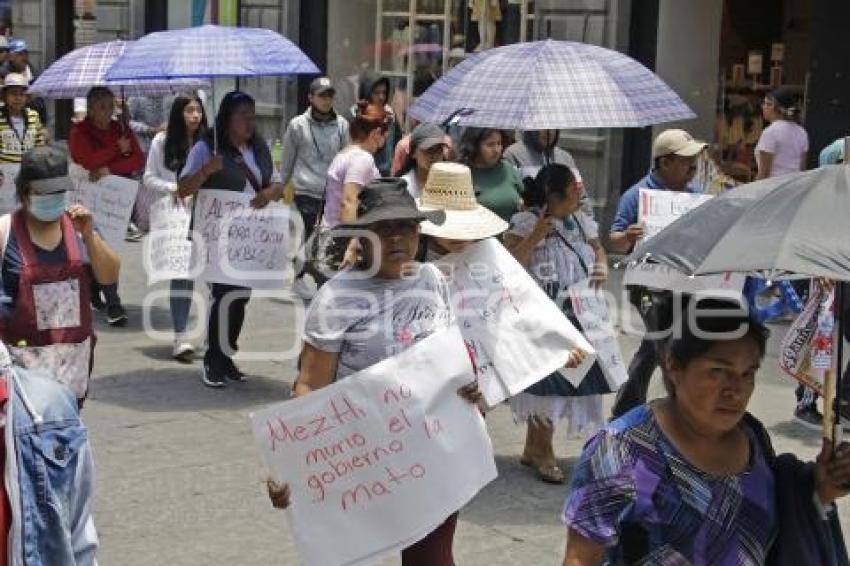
[[47, 208]]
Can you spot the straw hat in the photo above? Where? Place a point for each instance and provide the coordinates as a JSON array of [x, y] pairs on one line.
[[449, 188]]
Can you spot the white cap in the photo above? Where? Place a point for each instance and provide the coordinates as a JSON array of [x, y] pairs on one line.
[[15, 79], [676, 142]]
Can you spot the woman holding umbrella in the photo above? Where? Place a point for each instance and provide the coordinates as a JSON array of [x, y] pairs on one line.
[[243, 163], [497, 183]]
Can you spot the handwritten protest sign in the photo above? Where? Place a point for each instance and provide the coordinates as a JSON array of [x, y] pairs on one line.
[[110, 201], [594, 315], [517, 334], [379, 459], [8, 200], [168, 249], [242, 245], [657, 210]]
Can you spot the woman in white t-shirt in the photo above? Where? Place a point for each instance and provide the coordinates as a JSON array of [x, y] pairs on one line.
[[783, 145]]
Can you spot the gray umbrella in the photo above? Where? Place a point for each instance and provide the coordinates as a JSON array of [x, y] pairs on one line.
[[793, 226]]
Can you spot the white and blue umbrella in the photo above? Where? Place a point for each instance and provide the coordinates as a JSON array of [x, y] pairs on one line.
[[211, 51], [78, 71], [550, 84]]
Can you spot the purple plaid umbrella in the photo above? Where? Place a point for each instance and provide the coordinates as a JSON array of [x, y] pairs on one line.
[[76, 72], [550, 84], [212, 51]]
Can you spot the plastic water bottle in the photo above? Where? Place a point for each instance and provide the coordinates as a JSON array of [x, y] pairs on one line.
[[277, 154]]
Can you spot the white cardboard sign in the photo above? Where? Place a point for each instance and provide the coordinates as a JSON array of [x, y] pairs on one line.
[[516, 333], [110, 201], [168, 248], [241, 245], [8, 198], [379, 459]]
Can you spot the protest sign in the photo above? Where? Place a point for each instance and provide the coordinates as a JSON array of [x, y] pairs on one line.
[[806, 349], [110, 201], [516, 333], [8, 198], [241, 245], [656, 210], [168, 249], [379, 459], [594, 315]]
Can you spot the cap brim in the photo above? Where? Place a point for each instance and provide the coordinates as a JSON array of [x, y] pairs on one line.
[[429, 143], [475, 224], [50, 186], [324, 90], [394, 213], [693, 148]]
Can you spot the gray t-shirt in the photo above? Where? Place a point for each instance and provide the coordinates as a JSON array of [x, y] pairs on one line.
[[368, 320]]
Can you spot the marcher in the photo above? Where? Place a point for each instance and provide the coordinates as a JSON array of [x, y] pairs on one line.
[[47, 495], [497, 181], [337, 347], [104, 146], [243, 163], [428, 146], [17, 61], [311, 142], [692, 478], [47, 249], [377, 90], [783, 145], [20, 127], [550, 241], [674, 158], [187, 124]]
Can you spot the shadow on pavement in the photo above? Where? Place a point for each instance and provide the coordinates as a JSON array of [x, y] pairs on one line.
[[518, 497], [178, 389], [794, 430]]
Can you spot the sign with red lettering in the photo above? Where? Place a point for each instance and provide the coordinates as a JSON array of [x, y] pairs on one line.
[[381, 458], [515, 332], [238, 244]]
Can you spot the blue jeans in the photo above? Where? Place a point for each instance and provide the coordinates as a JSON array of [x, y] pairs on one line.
[[181, 303]]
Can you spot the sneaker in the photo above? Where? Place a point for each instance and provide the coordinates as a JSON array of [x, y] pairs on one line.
[[133, 233], [116, 315], [97, 302], [211, 377], [183, 351], [232, 372], [305, 287], [809, 416]]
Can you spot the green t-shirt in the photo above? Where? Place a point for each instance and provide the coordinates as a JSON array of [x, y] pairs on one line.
[[499, 188]]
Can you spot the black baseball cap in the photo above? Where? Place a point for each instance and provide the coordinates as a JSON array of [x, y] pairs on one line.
[[322, 85], [387, 198]]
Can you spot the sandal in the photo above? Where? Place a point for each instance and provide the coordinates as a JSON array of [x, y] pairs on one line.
[[548, 474]]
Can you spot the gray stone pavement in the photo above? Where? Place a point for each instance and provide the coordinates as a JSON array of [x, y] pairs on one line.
[[179, 480]]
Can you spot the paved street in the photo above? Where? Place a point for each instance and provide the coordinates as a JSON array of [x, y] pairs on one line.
[[179, 480]]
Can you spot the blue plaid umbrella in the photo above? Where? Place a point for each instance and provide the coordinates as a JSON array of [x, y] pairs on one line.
[[550, 85], [75, 73], [211, 51]]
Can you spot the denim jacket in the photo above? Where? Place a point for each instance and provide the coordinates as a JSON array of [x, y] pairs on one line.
[[50, 480]]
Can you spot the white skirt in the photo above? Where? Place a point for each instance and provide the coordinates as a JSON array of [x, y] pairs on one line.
[[583, 414]]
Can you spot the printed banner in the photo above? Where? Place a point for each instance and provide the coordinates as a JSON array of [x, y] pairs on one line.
[[379, 459], [168, 248], [515, 332], [594, 315], [241, 245], [8, 198], [806, 349], [110, 201], [657, 210]]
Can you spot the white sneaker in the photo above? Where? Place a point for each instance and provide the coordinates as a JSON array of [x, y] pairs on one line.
[[183, 351], [305, 287]]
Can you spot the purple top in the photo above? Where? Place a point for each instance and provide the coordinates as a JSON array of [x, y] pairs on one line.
[[352, 165], [630, 475]]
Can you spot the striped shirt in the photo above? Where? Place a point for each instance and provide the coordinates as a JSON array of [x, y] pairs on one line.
[[14, 142]]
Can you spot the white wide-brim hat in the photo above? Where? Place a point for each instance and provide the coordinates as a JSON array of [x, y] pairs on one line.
[[449, 188]]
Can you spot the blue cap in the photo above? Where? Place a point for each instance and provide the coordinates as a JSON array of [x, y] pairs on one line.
[[17, 46]]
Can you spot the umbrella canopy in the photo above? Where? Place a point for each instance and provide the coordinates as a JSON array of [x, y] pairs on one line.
[[76, 72], [551, 85], [786, 227], [211, 51]]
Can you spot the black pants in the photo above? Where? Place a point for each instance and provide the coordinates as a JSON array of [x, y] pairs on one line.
[[227, 315], [656, 311], [309, 208], [110, 293]]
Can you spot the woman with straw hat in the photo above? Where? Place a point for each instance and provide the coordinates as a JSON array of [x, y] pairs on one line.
[[551, 241]]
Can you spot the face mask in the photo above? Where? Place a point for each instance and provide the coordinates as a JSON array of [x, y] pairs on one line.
[[47, 208]]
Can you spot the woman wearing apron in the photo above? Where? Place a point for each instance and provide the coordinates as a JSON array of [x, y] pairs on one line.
[[46, 319]]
